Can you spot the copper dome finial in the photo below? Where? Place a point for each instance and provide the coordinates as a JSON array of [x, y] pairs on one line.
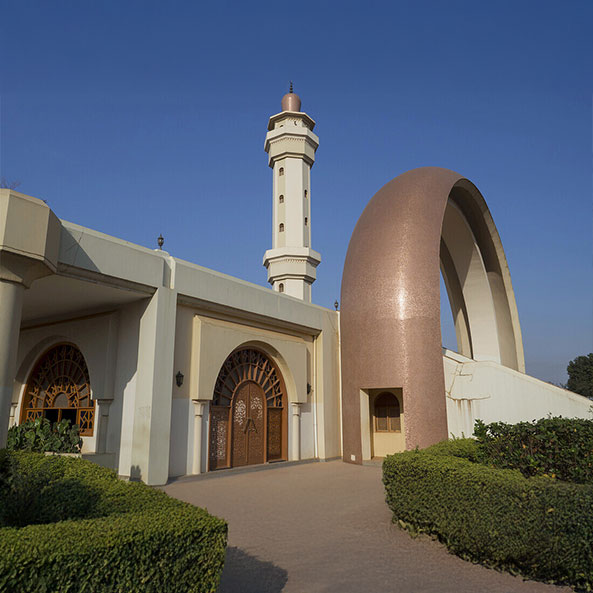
[[291, 101]]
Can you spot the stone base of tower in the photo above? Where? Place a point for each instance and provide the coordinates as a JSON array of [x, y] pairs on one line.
[[292, 270]]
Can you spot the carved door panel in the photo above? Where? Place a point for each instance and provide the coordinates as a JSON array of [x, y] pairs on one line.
[[248, 439], [255, 430]]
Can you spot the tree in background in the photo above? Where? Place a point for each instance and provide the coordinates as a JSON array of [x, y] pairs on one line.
[[580, 375]]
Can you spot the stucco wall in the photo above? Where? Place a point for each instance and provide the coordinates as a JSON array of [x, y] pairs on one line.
[[203, 344], [96, 337], [491, 392]]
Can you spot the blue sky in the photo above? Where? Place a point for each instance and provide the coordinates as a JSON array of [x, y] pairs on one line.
[[140, 118]]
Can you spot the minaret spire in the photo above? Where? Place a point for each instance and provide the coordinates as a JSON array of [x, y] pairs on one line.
[[291, 145]]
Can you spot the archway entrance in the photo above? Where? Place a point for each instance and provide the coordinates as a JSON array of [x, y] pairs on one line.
[[248, 412], [387, 422]]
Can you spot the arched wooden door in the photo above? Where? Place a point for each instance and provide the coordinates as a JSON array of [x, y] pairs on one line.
[[248, 439], [248, 412]]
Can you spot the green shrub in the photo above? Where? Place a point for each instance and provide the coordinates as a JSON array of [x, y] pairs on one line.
[[557, 447], [134, 538], [41, 435], [464, 448], [539, 526]]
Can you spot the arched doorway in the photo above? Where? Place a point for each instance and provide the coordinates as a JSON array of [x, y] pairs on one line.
[[387, 423], [59, 388], [248, 412]]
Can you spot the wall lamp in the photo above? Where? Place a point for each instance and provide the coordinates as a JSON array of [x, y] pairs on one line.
[[179, 378]]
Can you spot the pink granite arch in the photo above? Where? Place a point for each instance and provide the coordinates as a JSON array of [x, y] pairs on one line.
[[420, 222]]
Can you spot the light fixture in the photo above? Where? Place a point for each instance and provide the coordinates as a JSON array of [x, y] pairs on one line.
[[179, 378]]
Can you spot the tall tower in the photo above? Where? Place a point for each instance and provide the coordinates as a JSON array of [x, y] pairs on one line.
[[291, 145]]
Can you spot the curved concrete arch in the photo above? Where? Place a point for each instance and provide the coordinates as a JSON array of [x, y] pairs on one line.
[[423, 221]]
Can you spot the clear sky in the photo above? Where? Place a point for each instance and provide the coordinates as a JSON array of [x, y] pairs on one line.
[[137, 118]]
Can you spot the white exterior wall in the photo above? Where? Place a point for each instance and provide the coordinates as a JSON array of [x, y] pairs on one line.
[[493, 393]]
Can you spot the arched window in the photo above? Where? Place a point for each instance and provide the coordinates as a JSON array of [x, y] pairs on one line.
[[281, 287], [59, 388], [387, 413], [281, 227], [281, 199], [281, 171]]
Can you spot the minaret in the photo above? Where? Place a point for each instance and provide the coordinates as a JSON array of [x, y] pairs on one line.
[[291, 145]]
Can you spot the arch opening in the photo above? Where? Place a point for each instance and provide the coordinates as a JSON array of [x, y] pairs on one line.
[[448, 332]]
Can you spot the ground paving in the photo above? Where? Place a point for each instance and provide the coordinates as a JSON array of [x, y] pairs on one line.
[[325, 528]]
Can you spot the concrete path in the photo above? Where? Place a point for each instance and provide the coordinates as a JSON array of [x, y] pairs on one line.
[[325, 527]]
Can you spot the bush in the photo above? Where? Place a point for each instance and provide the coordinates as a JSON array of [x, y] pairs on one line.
[[557, 447], [132, 538], [540, 527], [42, 436]]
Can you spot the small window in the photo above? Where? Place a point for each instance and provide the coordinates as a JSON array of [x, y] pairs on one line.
[[306, 221], [281, 171], [387, 413], [281, 228], [281, 287], [306, 193], [281, 199]]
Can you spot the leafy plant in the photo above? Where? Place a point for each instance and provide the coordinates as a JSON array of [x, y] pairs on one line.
[[41, 436], [557, 447]]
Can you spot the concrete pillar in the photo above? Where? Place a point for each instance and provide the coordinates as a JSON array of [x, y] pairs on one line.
[[295, 429], [11, 305], [151, 437], [199, 408], [29, 248], [12, 419], [102, 419]]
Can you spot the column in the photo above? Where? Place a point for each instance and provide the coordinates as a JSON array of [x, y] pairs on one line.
[[11, 305], [151, 435], [295, 429], [199, 408], [102, 421], [29, 247]]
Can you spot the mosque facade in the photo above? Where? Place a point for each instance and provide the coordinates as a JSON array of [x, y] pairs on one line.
[[172, 369]]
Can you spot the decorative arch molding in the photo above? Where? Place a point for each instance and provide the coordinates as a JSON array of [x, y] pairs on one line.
[[248, 411], [59, 387], [424, 221]]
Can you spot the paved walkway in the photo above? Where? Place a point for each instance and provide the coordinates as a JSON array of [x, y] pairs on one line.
[[325, 527]]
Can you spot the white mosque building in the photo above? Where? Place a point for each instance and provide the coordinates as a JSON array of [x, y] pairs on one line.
[[173, 369]]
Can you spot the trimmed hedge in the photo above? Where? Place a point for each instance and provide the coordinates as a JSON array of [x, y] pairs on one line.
[[557, 447], [540, 527], [134, 538]]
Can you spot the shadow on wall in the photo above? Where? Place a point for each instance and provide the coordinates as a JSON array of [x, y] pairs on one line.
[[247, 574], [135, 474]]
